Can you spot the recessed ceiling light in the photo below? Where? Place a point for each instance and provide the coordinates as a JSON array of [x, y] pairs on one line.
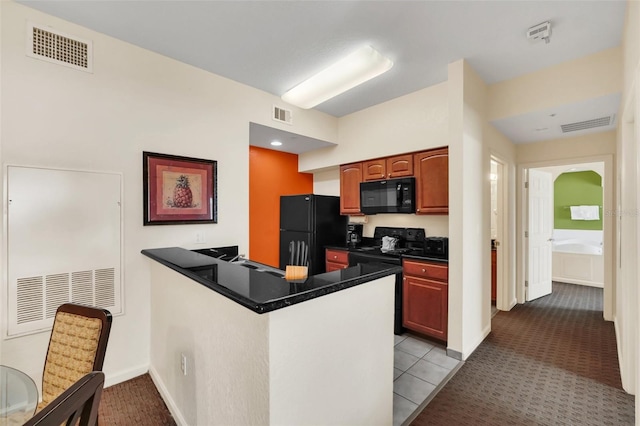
[[276, 143], [356, 68], [541, 129]]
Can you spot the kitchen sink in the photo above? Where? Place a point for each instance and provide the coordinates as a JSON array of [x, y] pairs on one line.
[[241, 261]]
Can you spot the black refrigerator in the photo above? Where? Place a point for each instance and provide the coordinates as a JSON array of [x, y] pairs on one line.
[[313, 221]]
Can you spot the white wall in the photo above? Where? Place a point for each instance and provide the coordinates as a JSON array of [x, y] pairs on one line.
[[628, 296], [572, 81], [469, 203], [320, 362], [504, 150], [414, 122], [134, 100]]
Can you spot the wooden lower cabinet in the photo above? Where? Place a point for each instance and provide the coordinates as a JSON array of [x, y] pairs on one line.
[[336, 259], [425, 298]]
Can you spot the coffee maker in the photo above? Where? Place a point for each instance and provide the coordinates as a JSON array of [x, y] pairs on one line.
[[354, 234]]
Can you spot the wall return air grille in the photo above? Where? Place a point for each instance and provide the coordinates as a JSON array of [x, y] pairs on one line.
[[54, 46], [282, 115], [39, 296], [588, 124]]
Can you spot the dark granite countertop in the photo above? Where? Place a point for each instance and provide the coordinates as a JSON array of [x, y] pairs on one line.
[[404, 256], [260, 291]]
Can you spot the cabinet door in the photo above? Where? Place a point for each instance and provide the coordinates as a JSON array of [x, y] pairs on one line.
[[400, 166], [374, 169], [332, 266], [350, 178], [425, 307], [432, 181]]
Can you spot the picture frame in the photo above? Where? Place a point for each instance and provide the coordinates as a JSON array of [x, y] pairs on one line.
[[179, 190]]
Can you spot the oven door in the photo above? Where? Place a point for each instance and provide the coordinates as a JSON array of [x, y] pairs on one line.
[[356, 258]]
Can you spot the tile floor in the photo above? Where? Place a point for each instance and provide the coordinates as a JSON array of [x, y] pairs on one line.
[[421, 368]]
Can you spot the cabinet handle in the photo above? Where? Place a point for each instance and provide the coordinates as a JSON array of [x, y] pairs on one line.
[[389, 175], [423, 270], [382, 175], [335, 257]]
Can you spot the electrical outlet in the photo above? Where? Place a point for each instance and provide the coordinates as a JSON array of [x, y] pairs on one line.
[[200, 237], [183, 364]]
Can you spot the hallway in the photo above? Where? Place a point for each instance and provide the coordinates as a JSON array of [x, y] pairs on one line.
[[551, 361]]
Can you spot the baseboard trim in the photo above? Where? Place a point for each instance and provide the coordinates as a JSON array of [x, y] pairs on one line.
[[123, 376], [166, 397], [483, 336]]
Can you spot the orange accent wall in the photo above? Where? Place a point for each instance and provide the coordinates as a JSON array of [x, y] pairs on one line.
[[271, 174]]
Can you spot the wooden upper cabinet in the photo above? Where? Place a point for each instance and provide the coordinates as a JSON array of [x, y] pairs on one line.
[[432, 181], [374, 169], [400, 166], [350, 178], [388, 168]]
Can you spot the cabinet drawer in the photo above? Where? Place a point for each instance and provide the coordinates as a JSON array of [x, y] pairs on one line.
[[338, 256], [332, 266], [432, 271]]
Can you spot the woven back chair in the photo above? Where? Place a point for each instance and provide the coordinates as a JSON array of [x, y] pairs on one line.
[[77, 405], [77, 347]]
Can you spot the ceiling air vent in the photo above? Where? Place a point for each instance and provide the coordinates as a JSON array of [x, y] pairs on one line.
[[588, 124], [59, 48], [540, 32], [282, 115]]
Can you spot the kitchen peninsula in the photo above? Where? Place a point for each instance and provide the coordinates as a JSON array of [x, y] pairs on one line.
[[231, 344]]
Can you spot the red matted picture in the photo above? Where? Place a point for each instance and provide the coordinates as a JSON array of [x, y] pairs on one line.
[[178, 190]]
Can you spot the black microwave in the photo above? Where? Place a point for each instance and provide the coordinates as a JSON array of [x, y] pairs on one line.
[[388, 196]]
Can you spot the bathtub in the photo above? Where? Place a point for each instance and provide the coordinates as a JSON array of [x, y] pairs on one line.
[[577, 257]]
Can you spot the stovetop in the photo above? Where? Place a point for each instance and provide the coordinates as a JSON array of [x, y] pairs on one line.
[[411, 241], [377, 250]]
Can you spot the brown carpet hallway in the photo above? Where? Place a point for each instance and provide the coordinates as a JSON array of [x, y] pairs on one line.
[[549, 362]]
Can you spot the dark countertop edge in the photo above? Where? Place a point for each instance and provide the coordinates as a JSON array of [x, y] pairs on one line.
[[404, 256], [272, 305]]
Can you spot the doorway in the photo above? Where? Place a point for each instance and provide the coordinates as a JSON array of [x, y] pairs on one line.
[[501, 235], [567, 233]]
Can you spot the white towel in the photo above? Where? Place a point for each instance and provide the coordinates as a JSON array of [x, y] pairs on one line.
[[585, 212], [591, 212], [577, 213]]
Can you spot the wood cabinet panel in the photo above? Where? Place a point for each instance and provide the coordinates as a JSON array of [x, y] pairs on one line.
[[337, 256], [425, 306], [425, 298], [400, 166], [432, 181], [336, 259], [426, 270], [350, 178], [388, 168], [374, 169], [332, 266]]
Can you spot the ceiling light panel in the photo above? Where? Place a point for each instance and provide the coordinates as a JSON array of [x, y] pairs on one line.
[[358, 67]]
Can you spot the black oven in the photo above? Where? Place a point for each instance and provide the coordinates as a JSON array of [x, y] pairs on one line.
[[359, 257]]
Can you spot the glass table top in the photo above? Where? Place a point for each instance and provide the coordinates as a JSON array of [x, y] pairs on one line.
[[18, 396]]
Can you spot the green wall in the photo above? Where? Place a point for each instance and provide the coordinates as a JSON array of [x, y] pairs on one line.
[[576, 189]]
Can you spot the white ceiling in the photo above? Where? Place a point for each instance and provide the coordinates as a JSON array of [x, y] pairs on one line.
[[274, 45]]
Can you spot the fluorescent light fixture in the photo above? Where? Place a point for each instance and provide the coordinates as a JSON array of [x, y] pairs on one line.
[[360, 66], [276, 143]]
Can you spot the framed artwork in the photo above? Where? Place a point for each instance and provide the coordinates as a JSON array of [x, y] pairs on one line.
[[179, 190]]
